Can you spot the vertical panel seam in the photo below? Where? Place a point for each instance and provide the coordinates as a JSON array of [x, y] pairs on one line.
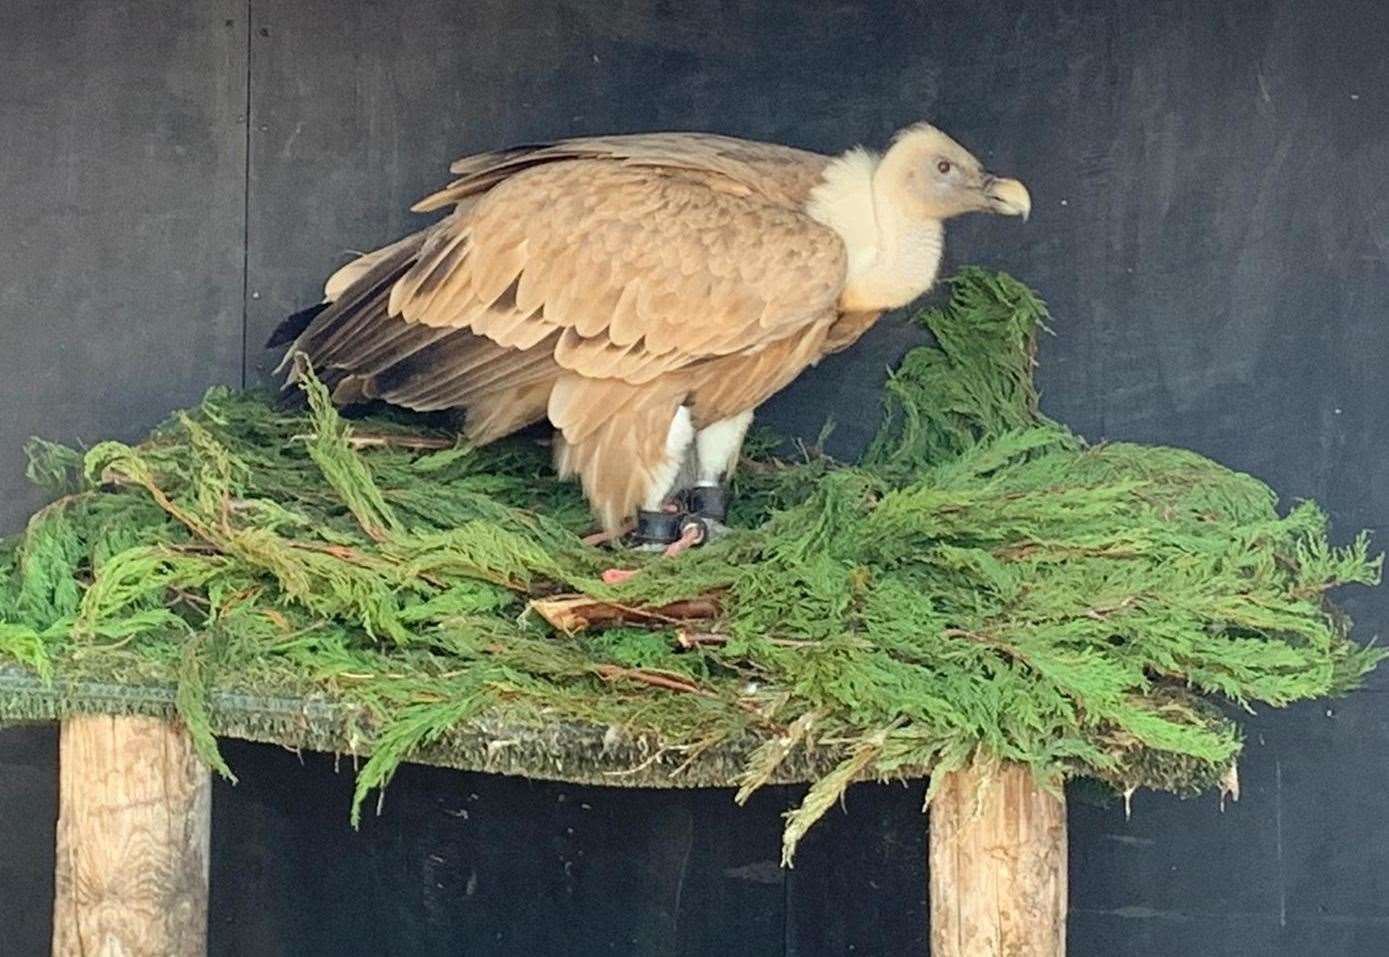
[[1278, 833], [246, 213]]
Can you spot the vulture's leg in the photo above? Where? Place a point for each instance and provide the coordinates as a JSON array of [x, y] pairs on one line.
[[659, 519], [661, 522], [716, 452]]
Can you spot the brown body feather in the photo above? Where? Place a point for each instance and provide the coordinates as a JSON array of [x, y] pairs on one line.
[[602, 283]]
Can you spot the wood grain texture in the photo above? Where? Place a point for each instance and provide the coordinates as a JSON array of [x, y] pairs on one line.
[[134, 821], [998, 866]]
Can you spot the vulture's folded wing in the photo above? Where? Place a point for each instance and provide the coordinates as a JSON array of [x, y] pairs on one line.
[[603, 264], [780, 174], [630, 271]]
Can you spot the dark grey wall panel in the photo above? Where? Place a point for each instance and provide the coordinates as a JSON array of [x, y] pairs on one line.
[[1309, 850], [28, 814], [122, 171], [122, 201], [1232, 219], [340, 149], [871, 851], [482, 864], [1211, 228]]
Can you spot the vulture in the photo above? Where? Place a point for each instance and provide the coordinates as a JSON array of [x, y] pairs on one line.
[[645, 293]]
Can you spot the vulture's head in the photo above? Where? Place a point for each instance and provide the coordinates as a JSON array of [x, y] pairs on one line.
[[928, 174]]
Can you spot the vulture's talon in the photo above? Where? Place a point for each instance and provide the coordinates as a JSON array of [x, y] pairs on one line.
[[693, 531], [713, 530]]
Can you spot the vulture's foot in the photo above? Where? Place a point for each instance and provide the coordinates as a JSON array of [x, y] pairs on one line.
[[693, 531], [706, 510], [707, 505], [676, 529]]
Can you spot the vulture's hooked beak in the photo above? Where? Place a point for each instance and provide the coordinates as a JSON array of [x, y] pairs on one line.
[[1008, 197]]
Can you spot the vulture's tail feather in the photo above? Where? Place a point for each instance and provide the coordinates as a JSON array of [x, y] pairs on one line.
[[293, 325], [365, 356], [316, 330], [346, 312]]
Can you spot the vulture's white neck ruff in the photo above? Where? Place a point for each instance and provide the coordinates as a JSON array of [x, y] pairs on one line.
[[891, 260]]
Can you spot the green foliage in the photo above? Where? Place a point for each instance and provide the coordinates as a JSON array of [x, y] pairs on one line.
[[984, 586]]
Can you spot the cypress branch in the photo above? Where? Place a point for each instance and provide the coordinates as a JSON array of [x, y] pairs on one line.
[[984, 585]]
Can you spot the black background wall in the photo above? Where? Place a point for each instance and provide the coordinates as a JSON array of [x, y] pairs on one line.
[[1211, 229]]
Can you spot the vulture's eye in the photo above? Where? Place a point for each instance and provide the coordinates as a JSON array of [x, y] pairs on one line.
[[943, 166]]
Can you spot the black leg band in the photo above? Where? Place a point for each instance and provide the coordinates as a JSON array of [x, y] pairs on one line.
[[656, 528], [710, 501]]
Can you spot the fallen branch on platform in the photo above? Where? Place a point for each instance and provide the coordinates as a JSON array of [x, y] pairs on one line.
[[575, 613]]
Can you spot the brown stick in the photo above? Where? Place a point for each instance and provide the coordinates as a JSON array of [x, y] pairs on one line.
[[132, 854], [575, 613], [681, 685], [697, 639], [997, 866], [361, 440], [656, 679], [366, 440]]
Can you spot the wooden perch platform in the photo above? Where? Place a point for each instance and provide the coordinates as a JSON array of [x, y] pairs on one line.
[[134, 824]]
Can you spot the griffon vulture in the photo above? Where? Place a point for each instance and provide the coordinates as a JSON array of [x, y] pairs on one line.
[[645, 293]]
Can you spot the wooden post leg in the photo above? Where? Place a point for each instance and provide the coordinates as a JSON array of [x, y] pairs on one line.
[[133, 823], [997, 866]]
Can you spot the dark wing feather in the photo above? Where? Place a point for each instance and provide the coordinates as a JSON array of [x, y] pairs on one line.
[[293, 325]]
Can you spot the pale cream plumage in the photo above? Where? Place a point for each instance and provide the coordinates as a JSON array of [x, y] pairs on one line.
[[607, 282]]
